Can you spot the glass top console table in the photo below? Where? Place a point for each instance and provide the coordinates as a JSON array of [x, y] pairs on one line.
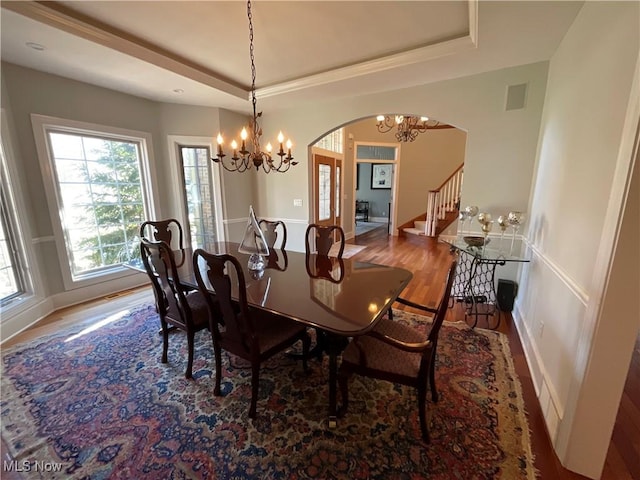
[[474, 284]]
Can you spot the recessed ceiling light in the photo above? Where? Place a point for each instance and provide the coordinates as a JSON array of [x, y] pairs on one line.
[[35, 46], [178, 90]]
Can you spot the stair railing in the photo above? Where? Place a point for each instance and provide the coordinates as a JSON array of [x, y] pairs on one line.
[[444, 199]]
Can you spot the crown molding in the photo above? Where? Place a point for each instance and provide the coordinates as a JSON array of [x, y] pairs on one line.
[[420, 54], [409, 57], [57, 16], [62, 18]]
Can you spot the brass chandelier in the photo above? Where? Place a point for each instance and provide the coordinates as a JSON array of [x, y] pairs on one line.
[[244, 159], [408, 126]]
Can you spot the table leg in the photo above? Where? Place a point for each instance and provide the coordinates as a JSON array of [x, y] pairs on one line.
[[334, 344]]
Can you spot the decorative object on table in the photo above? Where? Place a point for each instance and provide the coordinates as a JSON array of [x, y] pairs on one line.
[[381, 175], [175, 428], [254, 243], [471, 212], [463, 216], [476, 241], [486, 229], [503, 222], [409, 126], [515, 219], [257, 157], [485, 220]]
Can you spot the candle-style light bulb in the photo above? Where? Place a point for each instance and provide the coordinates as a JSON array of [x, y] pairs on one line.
[[289, 145], [269, 148], [220, 142], [243, 134], [280, 137], [380, 118]]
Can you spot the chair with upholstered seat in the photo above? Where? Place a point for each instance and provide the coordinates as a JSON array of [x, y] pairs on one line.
[[252, 334], [398, 353], [180, 309], [274, 230], [320, 238], [168, 231]]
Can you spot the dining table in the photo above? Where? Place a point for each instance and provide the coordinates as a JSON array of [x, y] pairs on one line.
[[342, 298]]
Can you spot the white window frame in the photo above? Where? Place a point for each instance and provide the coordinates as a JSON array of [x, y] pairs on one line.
[[180, 206], [25, 257], [41, 125]]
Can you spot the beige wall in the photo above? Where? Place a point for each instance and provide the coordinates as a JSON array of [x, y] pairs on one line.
[[574, 214], [500, 147]]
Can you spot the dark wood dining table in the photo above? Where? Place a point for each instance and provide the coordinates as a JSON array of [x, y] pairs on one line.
[[341, 304]]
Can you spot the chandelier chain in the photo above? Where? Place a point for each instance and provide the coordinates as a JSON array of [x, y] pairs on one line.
[[256, 128], [243, 159]]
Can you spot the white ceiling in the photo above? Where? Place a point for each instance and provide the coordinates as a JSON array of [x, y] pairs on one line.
[[303, 49]]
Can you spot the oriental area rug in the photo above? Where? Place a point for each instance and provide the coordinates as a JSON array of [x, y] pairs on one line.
[[97, 403]]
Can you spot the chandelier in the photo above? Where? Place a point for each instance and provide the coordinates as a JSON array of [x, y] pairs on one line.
[[244, 159], [409, 126]]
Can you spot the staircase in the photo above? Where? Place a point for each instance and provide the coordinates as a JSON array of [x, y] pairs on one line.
[[443, 205]]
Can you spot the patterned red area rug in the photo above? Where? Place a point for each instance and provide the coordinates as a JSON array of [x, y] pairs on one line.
[[99, 404]]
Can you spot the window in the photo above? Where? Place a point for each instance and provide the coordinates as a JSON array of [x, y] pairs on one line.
[[99, 178], [11, 280], [19, 275], [198, 191], [324, 193], [375, 152], [334, 141]]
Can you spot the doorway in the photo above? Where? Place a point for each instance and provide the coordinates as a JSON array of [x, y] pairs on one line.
[[376, 167], [327, 188]]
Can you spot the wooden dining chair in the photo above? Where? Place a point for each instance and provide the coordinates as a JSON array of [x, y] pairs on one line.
[[178, 308], [165, 231], [398, 353], [273, 231], [320, 238], [252, 334]]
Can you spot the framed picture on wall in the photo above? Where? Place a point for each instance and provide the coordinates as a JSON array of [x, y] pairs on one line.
[[381, 174]]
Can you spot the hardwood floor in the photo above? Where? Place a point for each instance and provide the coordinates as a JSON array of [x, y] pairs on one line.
[[428, 259]]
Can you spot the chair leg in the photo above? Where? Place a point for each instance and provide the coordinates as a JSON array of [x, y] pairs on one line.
[[422, 406], [255, 379], [165, 341], [218, 356], [190, 341], [306, 344], [432, 379], [343, 383]]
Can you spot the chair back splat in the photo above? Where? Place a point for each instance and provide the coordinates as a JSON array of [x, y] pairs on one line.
[[398, 353], [246, 332], [163, 230], [320, 238], [273, 231]]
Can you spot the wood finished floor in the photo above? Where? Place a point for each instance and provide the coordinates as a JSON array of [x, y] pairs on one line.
[[427, 259]]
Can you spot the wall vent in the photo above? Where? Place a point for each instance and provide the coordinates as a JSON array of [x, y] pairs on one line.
[[516, 96]]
